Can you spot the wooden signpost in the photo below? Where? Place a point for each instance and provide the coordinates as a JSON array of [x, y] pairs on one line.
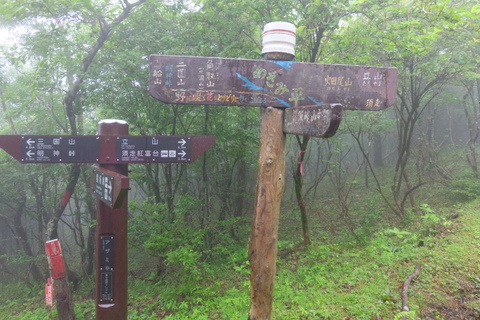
[[113, 149], [298, 98], [264, 83]]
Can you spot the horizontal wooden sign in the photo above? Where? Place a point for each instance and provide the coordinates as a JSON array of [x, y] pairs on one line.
[[239, 82]]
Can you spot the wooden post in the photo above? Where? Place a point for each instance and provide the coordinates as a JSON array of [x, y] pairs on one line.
[[262, 246], [278, 44], [111, 240]]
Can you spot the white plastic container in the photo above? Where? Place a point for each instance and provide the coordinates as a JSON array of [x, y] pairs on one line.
[[279, 37]]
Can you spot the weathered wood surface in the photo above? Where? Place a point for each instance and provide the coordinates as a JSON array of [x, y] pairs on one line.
[[315, 121], [262, 247], [265, 83], [111, 244]]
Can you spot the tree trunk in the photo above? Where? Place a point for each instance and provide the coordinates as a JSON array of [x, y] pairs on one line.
[[52, 226], [472, 122], [298, 177], [22, 237], [63, 299], [377, 150]]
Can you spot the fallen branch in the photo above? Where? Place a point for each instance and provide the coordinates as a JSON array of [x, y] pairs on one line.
[[406, 285]]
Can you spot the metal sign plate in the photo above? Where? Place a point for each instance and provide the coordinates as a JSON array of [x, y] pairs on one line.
[[53, 248], [55, 258], [106, 268], [58, 149], [106, 149], [103, 188], [238, 82], [166, 149]]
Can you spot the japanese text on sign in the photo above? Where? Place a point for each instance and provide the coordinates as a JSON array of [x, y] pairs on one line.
[[198, 80], [106, 268]]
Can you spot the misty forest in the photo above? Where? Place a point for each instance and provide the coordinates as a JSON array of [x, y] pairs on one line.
[[376, 222]]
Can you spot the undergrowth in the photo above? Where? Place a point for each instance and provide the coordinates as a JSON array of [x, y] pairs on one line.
[[327, 280]]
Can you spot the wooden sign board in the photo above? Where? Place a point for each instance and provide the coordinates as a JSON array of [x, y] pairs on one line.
[[315, 121], [238, 82], [110, 187]]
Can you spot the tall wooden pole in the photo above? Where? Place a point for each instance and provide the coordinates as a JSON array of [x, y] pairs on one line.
[[111, 239], [262, 245]]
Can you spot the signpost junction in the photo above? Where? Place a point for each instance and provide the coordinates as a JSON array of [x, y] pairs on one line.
[[297, 98], [113, 149]]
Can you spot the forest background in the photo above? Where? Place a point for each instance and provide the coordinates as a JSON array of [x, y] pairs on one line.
[[386, 180]]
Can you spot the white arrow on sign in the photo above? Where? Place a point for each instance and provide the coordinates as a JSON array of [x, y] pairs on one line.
[[182, 153], [30, 153], [182, 142], [30, 142]]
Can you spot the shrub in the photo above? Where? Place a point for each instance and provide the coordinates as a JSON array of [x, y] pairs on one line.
[[464, 190]]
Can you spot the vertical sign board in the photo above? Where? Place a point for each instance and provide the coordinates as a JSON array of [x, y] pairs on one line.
[[55, 258], [106, 268], [103, 188], [110, 187], [49, 293]]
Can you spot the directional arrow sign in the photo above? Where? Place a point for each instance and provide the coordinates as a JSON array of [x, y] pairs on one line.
[[169, 149], [106, 149], [59, 149], [51, 149], [237, 82]]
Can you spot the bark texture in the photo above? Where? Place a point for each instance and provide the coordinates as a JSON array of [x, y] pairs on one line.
[[262, 248]]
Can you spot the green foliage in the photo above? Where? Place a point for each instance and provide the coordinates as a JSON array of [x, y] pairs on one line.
[[406, 315], [189, 223], [186, 251], [325, 281], [464, 190]]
